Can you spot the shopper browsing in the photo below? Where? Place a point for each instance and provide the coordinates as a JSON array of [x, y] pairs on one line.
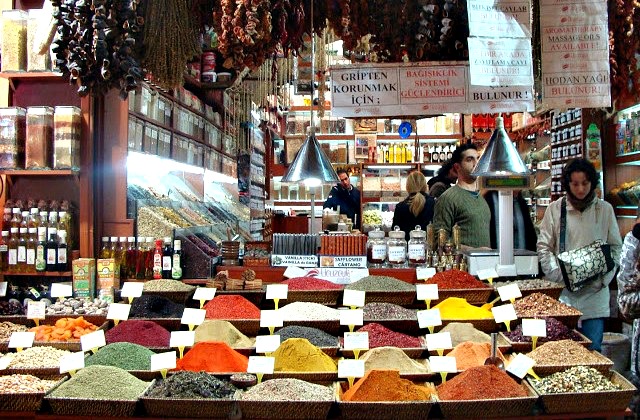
[[445, 177], [417, 208], [345, 196]]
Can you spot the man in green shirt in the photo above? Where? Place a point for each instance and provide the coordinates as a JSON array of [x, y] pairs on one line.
[[463, 204]]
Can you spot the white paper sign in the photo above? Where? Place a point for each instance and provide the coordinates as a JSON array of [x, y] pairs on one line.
[[427, 292], [161, 361], [93, 340], [353, 298], [277, 291], [439, 341], [349, 368], [534, 327], [429, 318], [72, 361], [357, 273], [504, 313], [261, 364], [356, 341], [3, 288], [5, 362], [204, 293], [443, 364], [293, 271], [510, 291], [500, 61], [270, 318], [36, 310], [59, 290], [267, 343], [131, 289], [424, 273], [487, 273], [351, 316], [182, 338], [192, 316], [119, 311], [21, 340], [520, 365]]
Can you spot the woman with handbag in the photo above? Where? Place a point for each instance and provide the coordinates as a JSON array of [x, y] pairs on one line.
[[579, 244]]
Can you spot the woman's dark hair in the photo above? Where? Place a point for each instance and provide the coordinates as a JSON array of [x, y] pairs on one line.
[[445, 168], [457, 154], [580, 165]]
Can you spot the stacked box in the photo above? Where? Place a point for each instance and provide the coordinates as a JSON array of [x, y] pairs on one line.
[[84, 277], [108, 275]]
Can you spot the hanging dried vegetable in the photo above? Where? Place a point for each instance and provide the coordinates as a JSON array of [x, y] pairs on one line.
[[624, 48], [288, 23]]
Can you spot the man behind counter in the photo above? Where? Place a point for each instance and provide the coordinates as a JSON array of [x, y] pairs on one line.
[[347, 197]]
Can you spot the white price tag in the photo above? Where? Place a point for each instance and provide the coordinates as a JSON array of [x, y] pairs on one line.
[[270, 318], [21, 340], [425, 273], [72, 361], [161, 361], [93, 340], [351, 316], [61, 290], [204, 293], [439, 341], [356, 274], [520, 365], [36, 310], [131, 289], [293, 271], [427, 292], [534, 327], [429, 318], [443, 364], [510, 291], [261, 364], [353, 298], [3, 288], [277, 291], [192, 316], [504, 313], [267, 343], [349, 368], [5, 362], [182, 338], [487, 273], [356, 341], [119, 311]]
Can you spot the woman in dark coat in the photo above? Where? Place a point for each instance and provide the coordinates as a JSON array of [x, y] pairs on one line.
[[417, 208]]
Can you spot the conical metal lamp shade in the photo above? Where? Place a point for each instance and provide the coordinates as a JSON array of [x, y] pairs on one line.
[[500, 158], [311, 163]]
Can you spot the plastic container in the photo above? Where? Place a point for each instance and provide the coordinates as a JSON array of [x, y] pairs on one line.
[[39, 141], [14, 40], [417, 246], [13, 123], [67, 128], [397, 248]]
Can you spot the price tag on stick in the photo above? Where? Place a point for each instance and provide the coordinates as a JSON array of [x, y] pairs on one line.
[[425, 273], [277, 292], [61, 290], [3, 288], [203, 294], [193, 317], [267, 343], [487, 274], [351, 317], [261, 365], [118, 312], [444, 365], [21, 340], [510, 292], [439, 342], [356, 341], [504, 313], [182, 339], [354, 298], [270, 319], [131, 290], [534, 328], [429, 318], [163, 362], [93, 341], [521, 365], [427, 292], [350, 369], [72, 362], [36, 310]]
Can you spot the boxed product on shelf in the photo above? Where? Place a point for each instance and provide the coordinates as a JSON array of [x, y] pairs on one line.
[[108, 274], [84, 277]]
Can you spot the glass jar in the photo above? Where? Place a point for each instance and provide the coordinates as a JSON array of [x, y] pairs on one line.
[[376, 248], [12, 137], [417, 246], [14, 40], [36, 61], [67, 121], [396, 248], [38, 145]]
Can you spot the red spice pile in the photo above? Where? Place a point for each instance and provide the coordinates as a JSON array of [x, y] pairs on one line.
[[213, 356], [144, 333], [231, 307], [381, 336], [311, 283], [480, 383], [456, 279]]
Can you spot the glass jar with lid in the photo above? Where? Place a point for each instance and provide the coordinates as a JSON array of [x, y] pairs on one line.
[[396, 248], [417, 246], [39, 142], [13, 124], [376, 248], [14, 40]]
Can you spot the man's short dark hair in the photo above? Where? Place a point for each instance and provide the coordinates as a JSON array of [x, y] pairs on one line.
[[457, 154], [342, 171], [580, 165]]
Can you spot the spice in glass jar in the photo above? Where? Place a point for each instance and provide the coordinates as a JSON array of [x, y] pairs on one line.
[[66, 146], [417, 246], [397, 248], [376, 248], [13, 123], [39, 137], [14, 40]]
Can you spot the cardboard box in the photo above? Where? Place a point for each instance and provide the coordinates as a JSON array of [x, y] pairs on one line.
[[84, 277], [108, 273]]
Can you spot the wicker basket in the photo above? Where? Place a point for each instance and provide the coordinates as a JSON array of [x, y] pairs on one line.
[[171, 324], [526, 346], [325, 297], [145, 375], [31, 401], [180, 297], [485, 325], [409, 410], [604, 365], [285, 409], [248, 327], [63, 406], [503, 407], [570, 321], [553, 292], [331, 327], [408, 326], [411, 352], [585, 402], [399, 298], [42, 373], [475, 296]]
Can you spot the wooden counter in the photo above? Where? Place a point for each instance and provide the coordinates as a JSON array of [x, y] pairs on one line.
[[276, 274]]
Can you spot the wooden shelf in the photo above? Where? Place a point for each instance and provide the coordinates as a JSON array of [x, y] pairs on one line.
[[40, 75], [632, 158], [629, 211], [193, 82], [39, 274], [44, 172]]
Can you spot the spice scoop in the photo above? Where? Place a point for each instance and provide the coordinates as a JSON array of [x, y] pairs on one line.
[[489, 305], [494, 359]]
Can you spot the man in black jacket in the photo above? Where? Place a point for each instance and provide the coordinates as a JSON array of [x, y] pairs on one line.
[[347, 197]]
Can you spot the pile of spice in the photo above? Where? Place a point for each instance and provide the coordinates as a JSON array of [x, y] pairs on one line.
[[381, 284], [459, 308], [381, 336], [213, 356], [556, 331], [456, 279], [386, 385], [376, 311], [101, 383], [78, 306], [288, 390], [564, 352], [144, 333], [470, 354], [575, 379], [465, 331], [65, 329], [539, 305], [315, 336], [24, 384], [528, 284], [393, 358], [481, 383], [166, 285], [127, 356], [311, 283], [308, 311], [37, 357], [299, 355], [151, 306], [191, 385], [219, 330], [231, 307], [7, 328]]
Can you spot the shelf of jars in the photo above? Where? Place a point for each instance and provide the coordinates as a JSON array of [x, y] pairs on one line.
[[566, 143]]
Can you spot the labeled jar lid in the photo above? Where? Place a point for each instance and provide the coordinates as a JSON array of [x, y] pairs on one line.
[[418, 233], [396, 233], [376, 234]]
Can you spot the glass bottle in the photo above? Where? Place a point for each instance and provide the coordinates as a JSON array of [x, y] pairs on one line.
[[16, 218], [44, 222], [62, 260], [53, 221], [176, 260], [64, 222], [13, 251], [6, 218], [166, 258], [105, 251], [41, 259], [32, 242], [51, 250], [141, 258], [34, 218], [130, 257], [417, 246], [376, 248], [113, 246], [120, 256], [157, 260], [4, 250], [148, 266], [396, 248], [22, 250]]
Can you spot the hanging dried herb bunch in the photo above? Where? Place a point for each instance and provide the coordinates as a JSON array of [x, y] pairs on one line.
[[171, 39]]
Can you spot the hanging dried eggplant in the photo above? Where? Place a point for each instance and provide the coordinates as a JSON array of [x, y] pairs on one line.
[[624, 50]]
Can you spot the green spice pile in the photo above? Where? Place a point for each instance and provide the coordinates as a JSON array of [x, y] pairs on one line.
[[381, 284], [22, 384], [376, 311], [102, 383], [127, 356], [219, 330], [166, 285], [465, 331], [315, 336], [575, 379], [189, 385], [7, 328], [288, 390], [564, 352], [37, 357]]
